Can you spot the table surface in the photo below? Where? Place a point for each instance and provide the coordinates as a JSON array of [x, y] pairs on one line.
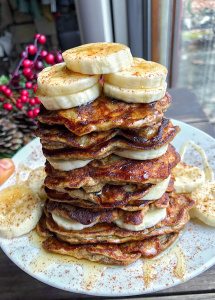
[[16, 284]]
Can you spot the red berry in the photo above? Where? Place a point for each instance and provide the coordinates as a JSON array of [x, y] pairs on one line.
[[27, 63], [39, 65], [24, 92], [58, 58], [23, 54], [37, 35], [35, 88], [19, 105], [30, 76], [24, 98], [43, 53], [3, 88], [35, 75], [7, 92], [30, 114], [2, 99], [25, 71], [49, 59], [7, 106], [28, 85], [32, 101], [37, 100], [18, 100], [42, 39], [32, 49], [36, 111]]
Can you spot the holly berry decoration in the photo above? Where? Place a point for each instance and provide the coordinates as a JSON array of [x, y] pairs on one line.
[[32, 49], [18, 92], [7, 106], [41, 39]]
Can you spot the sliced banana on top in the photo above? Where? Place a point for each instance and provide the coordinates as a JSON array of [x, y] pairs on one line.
[[135, 95], [98, 58], [141, 74], [204, 196], [187, 178], [71, 100], [58, 80]]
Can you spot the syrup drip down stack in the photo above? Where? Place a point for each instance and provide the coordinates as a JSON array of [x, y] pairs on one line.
[[110, 192]]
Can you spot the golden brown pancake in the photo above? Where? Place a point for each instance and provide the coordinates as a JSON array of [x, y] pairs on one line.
[[57, 137], [113, 169], [177, 217], [128, 205], [123, 196], [123, 254], [106, 113], [41, 227], [87, 216], [114, 144]]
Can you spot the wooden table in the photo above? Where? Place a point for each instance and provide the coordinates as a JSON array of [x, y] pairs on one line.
[[17, 285]]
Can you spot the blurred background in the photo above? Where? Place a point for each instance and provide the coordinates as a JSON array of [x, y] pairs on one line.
[[180, 34]]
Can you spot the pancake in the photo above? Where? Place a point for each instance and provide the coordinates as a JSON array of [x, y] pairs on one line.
[[58, 136], [111, 254], [125, 204], [116, 143], [41, 227], [109, 197], [106, 113], [176, 217], [113, 169], [87, 216]]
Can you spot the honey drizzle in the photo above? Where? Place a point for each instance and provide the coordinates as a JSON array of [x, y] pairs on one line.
[[209, 175], [150, 266], [180, 270], [44, 260]]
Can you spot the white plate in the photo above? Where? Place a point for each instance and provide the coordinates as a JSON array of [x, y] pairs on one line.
[[197, 241]]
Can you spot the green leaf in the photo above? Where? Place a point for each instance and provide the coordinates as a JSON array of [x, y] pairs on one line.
[[21, 83], [45, 64], [4, 80]]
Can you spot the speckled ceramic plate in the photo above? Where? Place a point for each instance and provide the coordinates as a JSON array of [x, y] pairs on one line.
[[194, 254]]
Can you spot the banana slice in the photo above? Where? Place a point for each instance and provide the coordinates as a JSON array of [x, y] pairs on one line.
[[20, 210], [70, 224], [135, 95], [98, 58], [36, 182], [157, 190], [152, 217], [142, 155], [72, 100], [142, 74], [204, 196], [68, 165], [58, 80], [187, 178]]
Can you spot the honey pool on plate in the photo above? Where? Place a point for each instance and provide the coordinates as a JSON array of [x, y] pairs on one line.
[[172, 258]]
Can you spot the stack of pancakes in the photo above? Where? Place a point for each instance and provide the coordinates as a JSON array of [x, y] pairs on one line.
[[109, 159]]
